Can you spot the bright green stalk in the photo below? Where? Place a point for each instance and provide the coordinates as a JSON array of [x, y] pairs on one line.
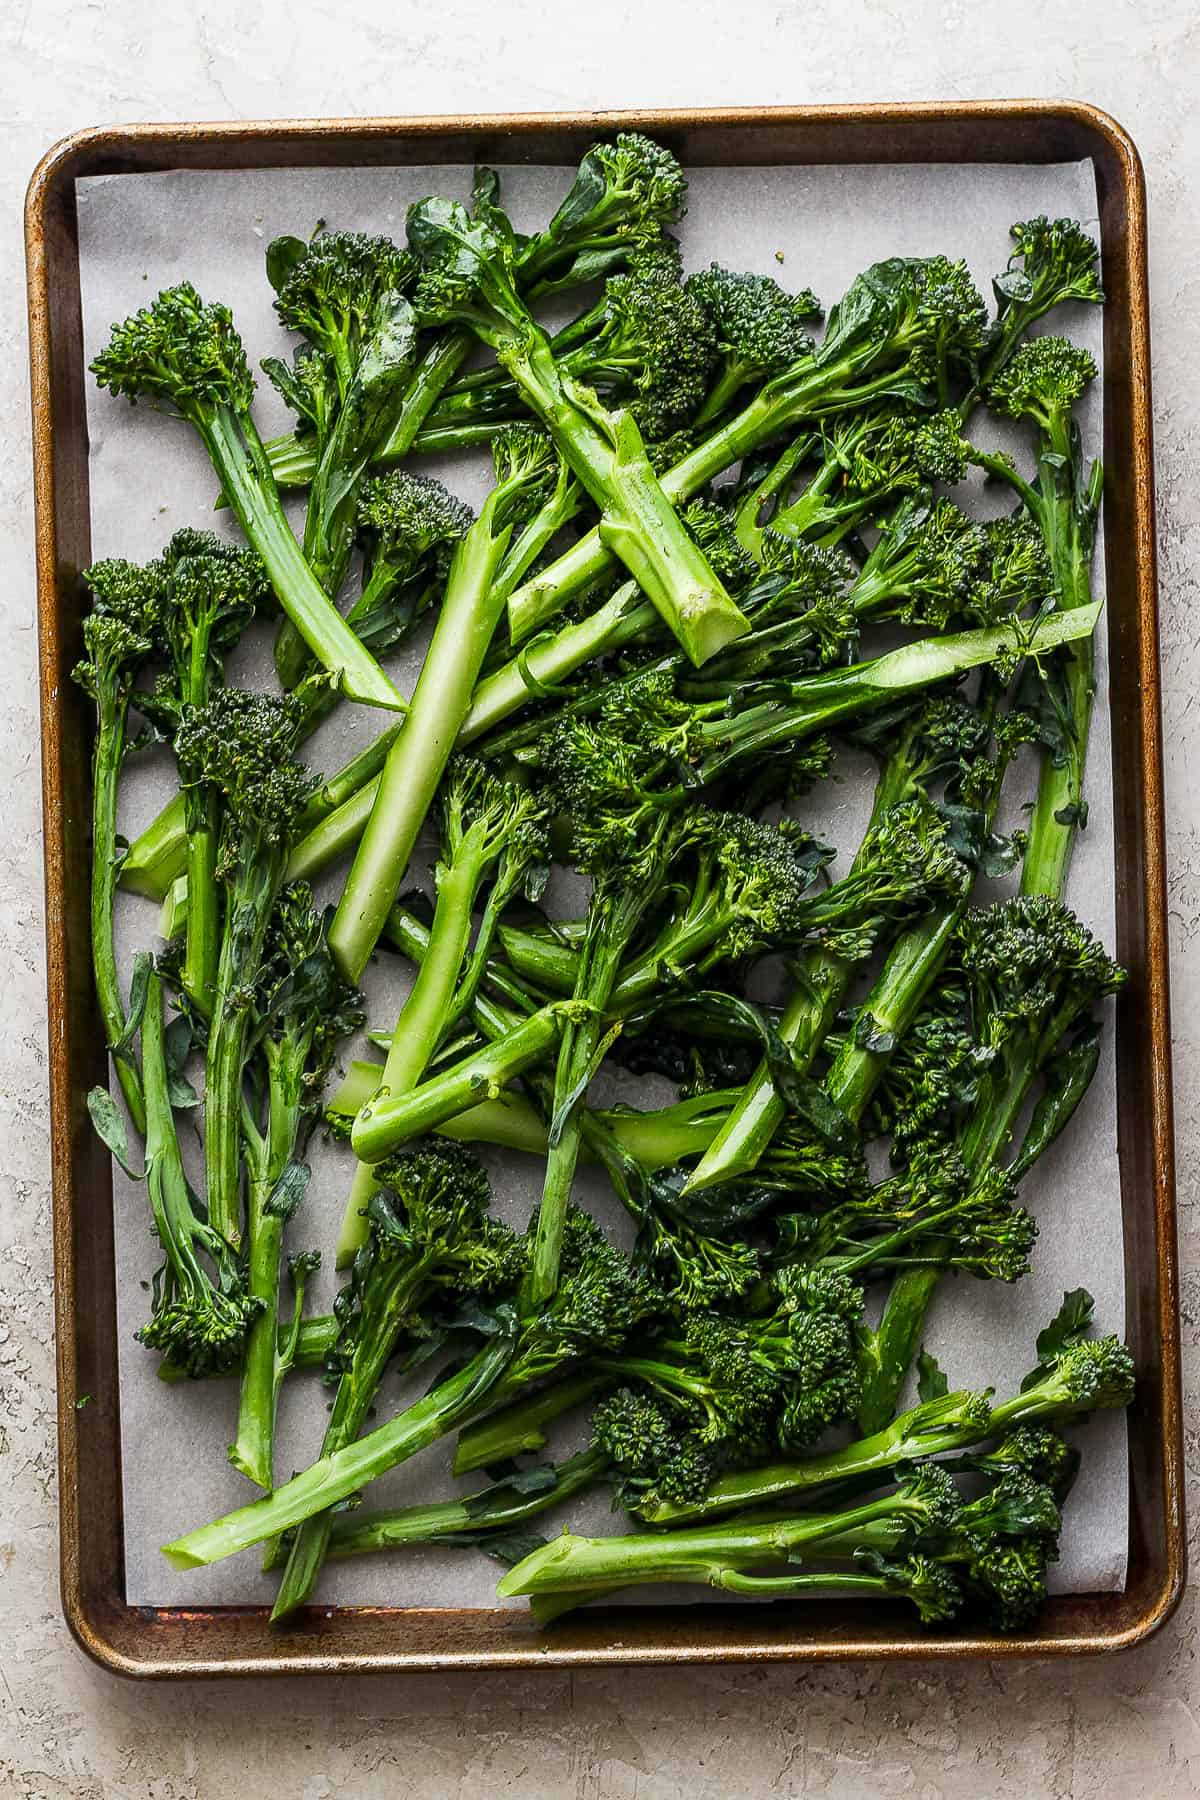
[[706, 1553], [199, 1318], [638, 522], [579, 1049], [387, 1122], [492, 1509], [548, 661], [424, 1013], [334, 1478], [508, 1121], [241, 462], [758, 1112], [253, 1450], [521, 1427], [1059, 810], [807, 392], [417, 760], [158, 855], [955, 1422], [251, 892], [337, 833]]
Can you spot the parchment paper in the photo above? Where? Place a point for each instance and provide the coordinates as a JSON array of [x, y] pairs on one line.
[[815, 227]]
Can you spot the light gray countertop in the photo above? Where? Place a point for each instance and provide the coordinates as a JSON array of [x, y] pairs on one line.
[[1098, 1731]]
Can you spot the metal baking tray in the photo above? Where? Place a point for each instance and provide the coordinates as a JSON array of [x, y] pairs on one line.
[[180, 1642]]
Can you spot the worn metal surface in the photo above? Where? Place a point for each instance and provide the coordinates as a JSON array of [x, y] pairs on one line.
[[1112, 1728]]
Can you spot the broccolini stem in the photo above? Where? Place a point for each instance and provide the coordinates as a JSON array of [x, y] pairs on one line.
[[417, 760], [876, 1454], [1060, 811], [387, 1122], [334, 1478], [638, 522], [355, 1396], [253, 1450], [702, 1553], [336, 833], [887, 1354], [599, 964], [433, 374], [241, 462], [248, 903], [106, 862], [422, 1018], [766, 417], [911, 968], [548, 661], [362, 1533], [202, 945], [166, 1181], [520, 1427], [158, 855], [758, 1111]]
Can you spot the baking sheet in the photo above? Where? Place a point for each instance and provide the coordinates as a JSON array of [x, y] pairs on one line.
[[815, 227]]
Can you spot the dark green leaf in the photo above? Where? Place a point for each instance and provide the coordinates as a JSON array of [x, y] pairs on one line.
[[283, 254], [1013, 285], [1067, 1080], [1068, 1326], [288, 1191], [507, 1547], [109, 1122], [931, 1380], [143, 968]]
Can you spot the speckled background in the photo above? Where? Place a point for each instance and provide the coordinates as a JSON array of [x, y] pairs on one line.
[[1089, 1732]]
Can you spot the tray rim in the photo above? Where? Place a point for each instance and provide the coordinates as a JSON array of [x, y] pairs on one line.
[[101, 1621]]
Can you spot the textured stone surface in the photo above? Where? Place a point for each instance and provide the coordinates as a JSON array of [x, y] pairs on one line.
[[1123, 1728]]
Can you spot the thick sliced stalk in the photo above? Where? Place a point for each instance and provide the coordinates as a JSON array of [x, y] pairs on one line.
[[417, 760], [388, 1121], [334, 1478], [158, 856], [241, 462], [808, 392], [106, 770], [422, 1018], [638, 524]]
